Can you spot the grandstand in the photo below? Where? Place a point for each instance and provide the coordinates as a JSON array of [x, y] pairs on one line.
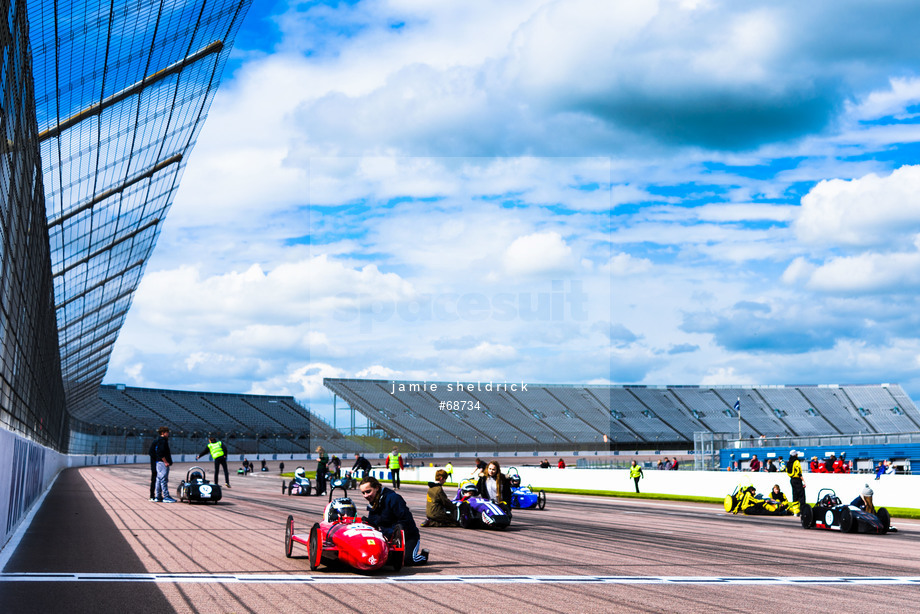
[[124, 419], [580, 417]]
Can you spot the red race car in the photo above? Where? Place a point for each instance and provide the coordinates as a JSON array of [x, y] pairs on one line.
[[342, 536]]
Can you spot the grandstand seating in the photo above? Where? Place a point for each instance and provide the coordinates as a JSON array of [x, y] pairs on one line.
[[579, 417], [250, 423]]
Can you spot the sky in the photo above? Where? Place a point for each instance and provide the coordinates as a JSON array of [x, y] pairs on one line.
[[550, 191]]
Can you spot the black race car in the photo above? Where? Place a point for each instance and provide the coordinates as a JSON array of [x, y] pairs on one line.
[[831, 513], [300, 485], [195, 488]]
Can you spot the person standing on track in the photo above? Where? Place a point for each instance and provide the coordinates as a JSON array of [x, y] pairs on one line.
[[219, 455], [635, 472], [794, 471], [361, 468], [449, 468], [394, 464], [321, 459], [159, 452]]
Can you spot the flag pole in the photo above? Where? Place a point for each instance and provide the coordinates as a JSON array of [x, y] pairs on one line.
[[739, 418]]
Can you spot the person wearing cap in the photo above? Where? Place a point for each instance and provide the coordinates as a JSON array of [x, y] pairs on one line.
[[794, 471], [864, 500]]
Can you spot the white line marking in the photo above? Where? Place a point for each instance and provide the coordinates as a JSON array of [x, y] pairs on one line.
[[204, 578]]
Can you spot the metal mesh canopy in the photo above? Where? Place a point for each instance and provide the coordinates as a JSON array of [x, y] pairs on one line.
[[121, 88]]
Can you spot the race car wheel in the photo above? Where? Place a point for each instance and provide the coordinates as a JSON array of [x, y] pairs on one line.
[[308, 489], [541, 500], [288, 532], [847, 523], [728, 503], [397, 558], [885, 518], [283, 486], [465, 515], [807, 516], [316, 547]]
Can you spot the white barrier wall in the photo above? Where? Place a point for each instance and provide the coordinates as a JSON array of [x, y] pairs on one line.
[[32, 469], [890, 490]]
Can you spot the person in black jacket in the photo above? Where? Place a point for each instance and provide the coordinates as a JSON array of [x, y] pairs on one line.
[[494, 485], [387, 511], [161, 456], [361, 464], [321, 459]]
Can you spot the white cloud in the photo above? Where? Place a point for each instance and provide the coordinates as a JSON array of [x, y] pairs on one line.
[[626, 264], [538, 253], [869, 272], [903, 92], [870, 211]]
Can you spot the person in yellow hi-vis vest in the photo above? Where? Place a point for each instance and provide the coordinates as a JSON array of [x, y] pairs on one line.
[[394, 464], [635, 472], [449, 468], [219, 454]]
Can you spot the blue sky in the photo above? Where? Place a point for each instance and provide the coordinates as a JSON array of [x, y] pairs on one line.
[[686, 192]]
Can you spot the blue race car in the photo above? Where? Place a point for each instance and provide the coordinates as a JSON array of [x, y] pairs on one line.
[[476, 511], [300, 485], [523, 497]]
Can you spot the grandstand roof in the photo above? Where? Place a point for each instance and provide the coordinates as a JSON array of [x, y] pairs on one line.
[[536, 415], [125, 407], [121, 90]]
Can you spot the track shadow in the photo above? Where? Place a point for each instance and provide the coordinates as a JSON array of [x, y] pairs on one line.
[[72, 533]]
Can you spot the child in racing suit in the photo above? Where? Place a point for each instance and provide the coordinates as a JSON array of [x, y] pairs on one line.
[[440, 511]]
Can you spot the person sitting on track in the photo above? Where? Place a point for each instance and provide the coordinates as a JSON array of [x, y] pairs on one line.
[[387, 511], [440, 511]]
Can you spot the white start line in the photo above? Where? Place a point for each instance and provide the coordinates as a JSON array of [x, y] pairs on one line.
[[445, 579]]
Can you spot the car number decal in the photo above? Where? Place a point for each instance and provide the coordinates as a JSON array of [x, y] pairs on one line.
[[829, 517]]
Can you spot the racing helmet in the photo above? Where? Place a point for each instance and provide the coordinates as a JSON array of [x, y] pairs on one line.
[[469, 489], [830, 500], [299, 472], [514, 480], [195, 475], [340, 508]]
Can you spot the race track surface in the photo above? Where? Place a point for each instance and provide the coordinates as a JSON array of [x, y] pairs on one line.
[[98, 545]]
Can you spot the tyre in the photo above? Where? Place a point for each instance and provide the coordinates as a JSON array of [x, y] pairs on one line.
[[288, 532], [179, 492], [283, 486], [729, 503], [397, 558], [847, 523], [465, 515], [316, 547], [308, 489], [885, 518], [807, 516], [541, 500]]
